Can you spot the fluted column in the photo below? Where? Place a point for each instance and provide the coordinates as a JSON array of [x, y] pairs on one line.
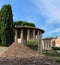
[[45, 44], [21, 35], [48, 44], [40, 40], [34, 34], [16, 40], [28, 34]]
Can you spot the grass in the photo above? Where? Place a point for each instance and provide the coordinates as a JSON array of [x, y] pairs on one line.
[[52, 55], [57, 59]]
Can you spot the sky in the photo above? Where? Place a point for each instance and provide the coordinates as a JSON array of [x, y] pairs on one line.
[[45, 14]]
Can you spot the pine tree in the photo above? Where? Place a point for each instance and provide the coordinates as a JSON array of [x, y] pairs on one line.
[[7, 34]]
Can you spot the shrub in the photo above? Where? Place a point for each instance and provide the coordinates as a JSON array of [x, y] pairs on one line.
[[56, 48], [33, 44], [23, 23], [0, 40]]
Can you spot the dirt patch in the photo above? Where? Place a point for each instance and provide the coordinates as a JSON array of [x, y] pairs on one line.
[[20, 50], [2, 50]]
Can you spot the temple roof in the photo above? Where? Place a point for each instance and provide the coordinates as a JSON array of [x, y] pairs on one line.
[[28, 27], [47, 38]]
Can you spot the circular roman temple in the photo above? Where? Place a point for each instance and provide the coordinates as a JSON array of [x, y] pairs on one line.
[[25, 33]]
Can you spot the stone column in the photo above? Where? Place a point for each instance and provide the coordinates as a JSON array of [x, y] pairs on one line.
[[45, 44], [34, 34], [39, 42], [16, 40], [28, 34], [48, 44], [21, 35]]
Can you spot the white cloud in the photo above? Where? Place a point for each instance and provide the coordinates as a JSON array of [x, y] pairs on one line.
[[52, 33], [55, 31], [49, 9]]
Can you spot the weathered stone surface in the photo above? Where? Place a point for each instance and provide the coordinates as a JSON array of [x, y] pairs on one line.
[[2, 50], [19, 54], [26, 61], [20, 50]]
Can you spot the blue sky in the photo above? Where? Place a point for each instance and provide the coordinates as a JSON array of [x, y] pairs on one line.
[[45, 14]]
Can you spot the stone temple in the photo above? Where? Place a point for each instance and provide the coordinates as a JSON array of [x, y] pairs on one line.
[[25, 33]]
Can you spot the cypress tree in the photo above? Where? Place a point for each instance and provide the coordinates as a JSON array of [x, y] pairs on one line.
[[0, 27], [7, 34]]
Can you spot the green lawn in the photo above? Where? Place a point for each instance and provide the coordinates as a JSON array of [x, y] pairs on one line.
[[52, 55], [57, 59]]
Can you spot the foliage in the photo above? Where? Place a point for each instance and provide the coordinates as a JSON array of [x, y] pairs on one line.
[[0, 40], [56, 48], [33, 44], [0, 27], [7, 34], [51, 54], [23, 23]]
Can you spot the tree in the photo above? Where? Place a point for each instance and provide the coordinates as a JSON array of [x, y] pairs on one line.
[[7, 34], [0, 27], [23, 23]]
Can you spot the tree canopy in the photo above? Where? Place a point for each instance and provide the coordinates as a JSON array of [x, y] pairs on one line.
[[23, 23], [7, 25], [0, 27], [6, 20]]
